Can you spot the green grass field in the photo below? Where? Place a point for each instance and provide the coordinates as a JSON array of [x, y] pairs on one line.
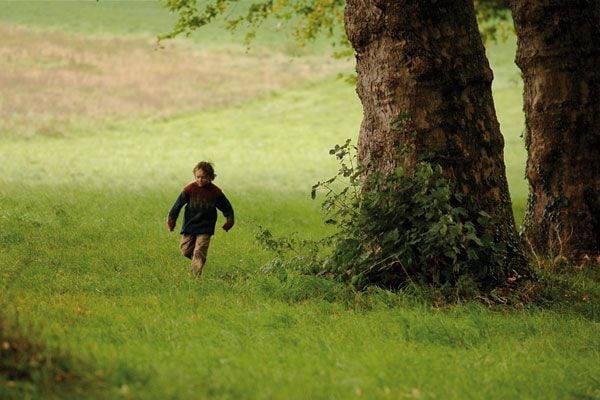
[[89, 271]]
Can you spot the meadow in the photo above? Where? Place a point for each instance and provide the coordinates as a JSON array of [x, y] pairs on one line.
[[99, 130]]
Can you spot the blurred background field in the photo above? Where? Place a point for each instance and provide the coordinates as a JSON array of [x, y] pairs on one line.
[[68, 64], [99, 130]]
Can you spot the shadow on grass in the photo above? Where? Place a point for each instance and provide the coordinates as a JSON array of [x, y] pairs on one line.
[[561, 288], [31, 368]]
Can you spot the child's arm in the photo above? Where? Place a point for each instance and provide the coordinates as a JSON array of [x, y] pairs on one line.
[[182, 199], [224, 205]]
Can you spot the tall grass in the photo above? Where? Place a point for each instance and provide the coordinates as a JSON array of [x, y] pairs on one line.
[[87, 259]]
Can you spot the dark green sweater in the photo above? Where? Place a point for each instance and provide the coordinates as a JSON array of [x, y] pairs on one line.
[[200, 215]]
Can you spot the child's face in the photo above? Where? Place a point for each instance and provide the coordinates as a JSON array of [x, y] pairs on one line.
[[202, 178]]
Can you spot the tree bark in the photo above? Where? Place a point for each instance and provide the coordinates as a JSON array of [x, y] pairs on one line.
[[559, 55], [426, 58]]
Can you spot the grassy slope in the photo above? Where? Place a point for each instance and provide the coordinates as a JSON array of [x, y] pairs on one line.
[[87, 257], [144, 18], [148, 19], [507, 88]]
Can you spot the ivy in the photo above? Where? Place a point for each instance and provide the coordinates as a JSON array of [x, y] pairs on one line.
[[406, 227]]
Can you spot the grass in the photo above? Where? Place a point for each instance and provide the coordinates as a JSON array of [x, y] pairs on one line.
[[507, 88], [52, 79], [148, 18], [89, 271]]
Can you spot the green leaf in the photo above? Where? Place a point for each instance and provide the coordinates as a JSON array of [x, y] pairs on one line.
[[443, 229]]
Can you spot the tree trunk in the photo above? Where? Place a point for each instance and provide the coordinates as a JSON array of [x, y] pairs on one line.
[[559, 55], [426, 58]]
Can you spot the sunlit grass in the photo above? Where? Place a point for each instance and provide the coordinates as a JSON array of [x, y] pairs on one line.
[[53, 80], [149, 19], [87, 258], [507, 89]]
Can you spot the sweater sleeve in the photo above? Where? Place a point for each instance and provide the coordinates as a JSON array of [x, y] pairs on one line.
[[182, 199], [224, 205]]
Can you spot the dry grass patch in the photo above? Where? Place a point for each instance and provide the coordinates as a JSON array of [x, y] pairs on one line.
[[52, 78]]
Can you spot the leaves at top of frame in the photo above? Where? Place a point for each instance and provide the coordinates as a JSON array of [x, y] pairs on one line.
[[307, 18]]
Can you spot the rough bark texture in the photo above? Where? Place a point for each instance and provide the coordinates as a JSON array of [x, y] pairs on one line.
[[426, 58], [559, 55]]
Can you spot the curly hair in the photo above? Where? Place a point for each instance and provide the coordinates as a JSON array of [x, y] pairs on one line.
[[207, 167]]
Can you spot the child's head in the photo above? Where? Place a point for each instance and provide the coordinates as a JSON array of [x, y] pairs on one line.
[[204, 173]]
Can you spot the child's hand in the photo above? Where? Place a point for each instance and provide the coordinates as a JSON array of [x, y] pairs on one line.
[[228, 225], [170, 224]]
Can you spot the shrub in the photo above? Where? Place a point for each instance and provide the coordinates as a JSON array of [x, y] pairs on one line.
[[405, 227], [393, 230]]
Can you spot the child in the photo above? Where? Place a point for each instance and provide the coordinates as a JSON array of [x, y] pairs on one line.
[[203, 199]]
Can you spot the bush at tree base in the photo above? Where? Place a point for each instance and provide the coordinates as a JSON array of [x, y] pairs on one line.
[[395, 229]]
